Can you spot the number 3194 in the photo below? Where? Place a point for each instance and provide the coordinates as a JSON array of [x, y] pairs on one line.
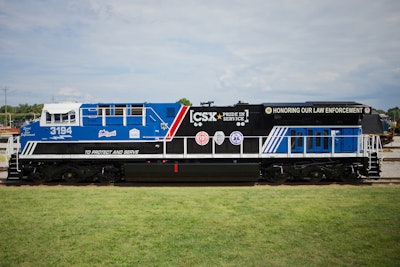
[[60, 130]]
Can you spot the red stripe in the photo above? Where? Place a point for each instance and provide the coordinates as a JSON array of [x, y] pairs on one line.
[[175, 125]]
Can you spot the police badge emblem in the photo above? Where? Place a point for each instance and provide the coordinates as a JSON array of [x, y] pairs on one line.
[[202, 138], [219, 137], [236, 138]]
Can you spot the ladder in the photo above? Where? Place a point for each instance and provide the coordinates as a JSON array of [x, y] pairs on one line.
[[13, 172], [374, 150], [12, 154]]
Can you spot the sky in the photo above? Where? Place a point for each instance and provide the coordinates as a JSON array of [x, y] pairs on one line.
[[224, 51]]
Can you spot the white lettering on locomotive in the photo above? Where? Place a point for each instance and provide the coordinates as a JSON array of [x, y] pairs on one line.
[[105, 133], [197, 118], [316, 110], [111, 152], [60, 132], [27, 132], [239, 117]]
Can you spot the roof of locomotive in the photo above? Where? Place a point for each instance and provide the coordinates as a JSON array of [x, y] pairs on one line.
[[129, 103], [65, 107], [297, 104], [61, 108], [314, 103]]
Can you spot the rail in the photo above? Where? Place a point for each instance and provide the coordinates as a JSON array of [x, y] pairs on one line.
[[123, 118], [11, 146]]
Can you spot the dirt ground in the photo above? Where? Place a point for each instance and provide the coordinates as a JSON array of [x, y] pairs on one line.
[[391, 159]]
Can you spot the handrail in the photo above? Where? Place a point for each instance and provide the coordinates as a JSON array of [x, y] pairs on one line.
[[124, 116], [11, 148], [363, 149]]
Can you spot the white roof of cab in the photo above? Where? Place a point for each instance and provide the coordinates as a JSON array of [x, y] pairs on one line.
[[61, 108]]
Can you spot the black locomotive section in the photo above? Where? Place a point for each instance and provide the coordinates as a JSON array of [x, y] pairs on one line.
[[255, 123]]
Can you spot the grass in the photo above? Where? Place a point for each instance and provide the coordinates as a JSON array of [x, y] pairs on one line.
[[200, 226]]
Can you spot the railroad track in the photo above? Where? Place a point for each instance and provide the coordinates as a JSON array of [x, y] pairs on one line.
[[391, 159], [383, 180], [363, 182]]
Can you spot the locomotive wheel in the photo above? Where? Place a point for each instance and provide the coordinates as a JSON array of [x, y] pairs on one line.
[[105, 178], [349, 175], [346, 178], [275, 174], [315, 176], [278, 178], [109, 174], [37, 178], [70, 176]]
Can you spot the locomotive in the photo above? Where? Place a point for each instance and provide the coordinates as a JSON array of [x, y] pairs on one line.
[[147, 142]]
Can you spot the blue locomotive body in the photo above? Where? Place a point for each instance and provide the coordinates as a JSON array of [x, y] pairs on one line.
[[313, 139], [96, 122], [170, 141]]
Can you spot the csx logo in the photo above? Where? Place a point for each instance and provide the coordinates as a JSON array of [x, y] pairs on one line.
[[197, 118]]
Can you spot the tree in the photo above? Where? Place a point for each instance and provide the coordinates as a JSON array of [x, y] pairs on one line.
[[184, 101], [17, 115], [3, 109], [394, 113]]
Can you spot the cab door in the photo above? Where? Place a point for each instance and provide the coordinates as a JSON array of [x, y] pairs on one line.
[[318, 140], [346, 140], [297, 140]]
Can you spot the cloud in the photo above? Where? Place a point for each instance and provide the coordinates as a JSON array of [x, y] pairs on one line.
[[69, 92], [259, 51]]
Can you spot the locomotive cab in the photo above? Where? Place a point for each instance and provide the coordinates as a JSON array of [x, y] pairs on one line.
[[65, 114]]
